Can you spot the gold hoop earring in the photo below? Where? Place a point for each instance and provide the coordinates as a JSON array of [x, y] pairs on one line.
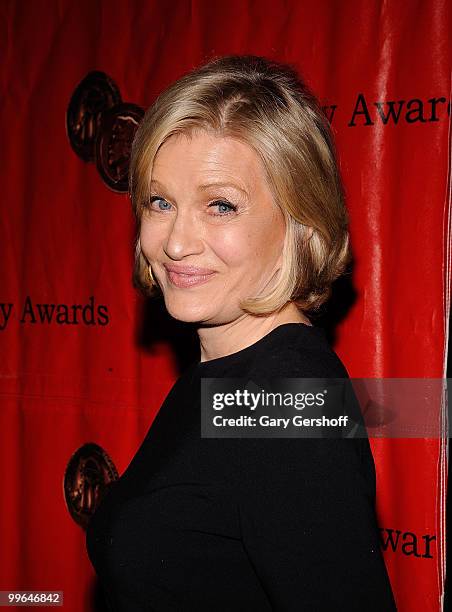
[[151, 278]]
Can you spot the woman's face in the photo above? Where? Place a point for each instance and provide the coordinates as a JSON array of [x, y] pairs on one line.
[[210, 208]]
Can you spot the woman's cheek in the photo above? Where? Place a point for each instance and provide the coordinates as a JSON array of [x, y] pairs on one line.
[[151, 238], [232, 244]]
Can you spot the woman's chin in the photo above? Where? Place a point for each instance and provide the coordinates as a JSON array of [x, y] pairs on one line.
[[188, 310]]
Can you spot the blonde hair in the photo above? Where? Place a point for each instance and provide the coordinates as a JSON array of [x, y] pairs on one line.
[[266, 105]]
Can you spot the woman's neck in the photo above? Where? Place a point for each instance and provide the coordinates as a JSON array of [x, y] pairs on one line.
[[221, 340]]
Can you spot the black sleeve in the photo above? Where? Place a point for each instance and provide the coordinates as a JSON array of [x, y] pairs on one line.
[[308, 524]]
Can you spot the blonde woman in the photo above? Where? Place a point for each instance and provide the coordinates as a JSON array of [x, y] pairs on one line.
[[242, 230]]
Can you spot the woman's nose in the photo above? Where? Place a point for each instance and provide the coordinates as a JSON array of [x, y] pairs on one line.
[[184, 235]]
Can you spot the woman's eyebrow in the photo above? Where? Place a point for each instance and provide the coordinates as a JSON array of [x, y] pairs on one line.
[[158, 184], [223, 184], [206, 186]]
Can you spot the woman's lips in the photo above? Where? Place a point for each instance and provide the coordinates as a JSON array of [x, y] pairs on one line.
[[187, 280]]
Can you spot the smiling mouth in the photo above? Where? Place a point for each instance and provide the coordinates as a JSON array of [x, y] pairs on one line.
[[188, 280]]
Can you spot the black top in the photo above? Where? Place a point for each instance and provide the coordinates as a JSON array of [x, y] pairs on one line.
[[250, 524]]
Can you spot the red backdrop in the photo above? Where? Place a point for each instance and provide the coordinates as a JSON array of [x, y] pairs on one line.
[[383, 70]]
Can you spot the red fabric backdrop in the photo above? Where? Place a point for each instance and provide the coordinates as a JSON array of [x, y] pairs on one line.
[[383, 69]]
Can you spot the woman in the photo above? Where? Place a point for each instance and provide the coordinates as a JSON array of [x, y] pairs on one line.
[[242, 230]]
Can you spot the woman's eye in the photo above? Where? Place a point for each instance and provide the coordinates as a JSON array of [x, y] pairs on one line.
[[223, 207], [159, 206]]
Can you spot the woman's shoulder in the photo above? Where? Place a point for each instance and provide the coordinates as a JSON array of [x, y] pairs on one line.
[[297, 350]]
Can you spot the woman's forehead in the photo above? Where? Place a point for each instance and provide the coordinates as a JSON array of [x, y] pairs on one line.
[[205, 158], [208, 147]]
